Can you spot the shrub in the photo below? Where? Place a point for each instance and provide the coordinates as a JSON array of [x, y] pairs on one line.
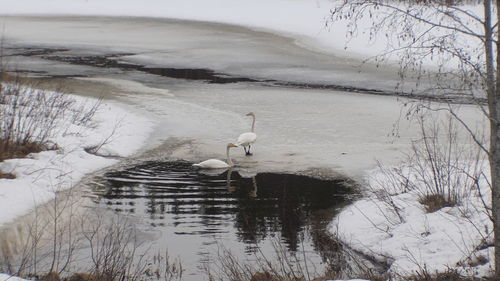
[[29, 117], [440, 169], [434, 202], [448, 275]]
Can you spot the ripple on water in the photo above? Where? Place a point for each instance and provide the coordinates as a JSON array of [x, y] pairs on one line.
[[176, 195]]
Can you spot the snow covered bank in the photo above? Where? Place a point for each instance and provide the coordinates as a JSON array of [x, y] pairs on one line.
[[5, 277], [41, 175], [433, 241], [409, 235]]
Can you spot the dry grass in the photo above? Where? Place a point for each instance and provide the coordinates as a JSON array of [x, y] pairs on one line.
[[9, 150], [30, 117], [444, 2], [448, 275], [7, 175], [54, 276], [434, 202], [51, 276], [83, 277]]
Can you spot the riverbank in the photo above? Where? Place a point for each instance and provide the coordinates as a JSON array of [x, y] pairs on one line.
[[40, 176]]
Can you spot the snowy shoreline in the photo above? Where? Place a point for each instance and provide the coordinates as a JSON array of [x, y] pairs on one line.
[[41, 175], [411, 239]]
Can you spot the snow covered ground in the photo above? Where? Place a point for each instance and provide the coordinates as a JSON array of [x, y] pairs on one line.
[[5, 277], [410, 239], [41, 175]]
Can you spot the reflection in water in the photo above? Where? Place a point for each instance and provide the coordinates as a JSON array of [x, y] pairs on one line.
[[173, 194]]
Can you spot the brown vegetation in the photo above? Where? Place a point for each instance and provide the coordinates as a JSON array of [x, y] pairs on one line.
[[51, 276], [443, 2], [83, 277], [54, 276], [263, 276], [30, 117], [434, 202], [449, 275], [7, 175], [9, 150]]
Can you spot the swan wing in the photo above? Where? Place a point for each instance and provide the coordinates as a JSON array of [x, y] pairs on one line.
[[246, 138], [212, 164]]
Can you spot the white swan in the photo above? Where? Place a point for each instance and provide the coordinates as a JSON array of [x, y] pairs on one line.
[[216, 163], [246, 139]]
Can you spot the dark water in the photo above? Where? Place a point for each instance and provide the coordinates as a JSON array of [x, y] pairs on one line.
[[194, 211], [202, 74], [118, 63], [109, 61]]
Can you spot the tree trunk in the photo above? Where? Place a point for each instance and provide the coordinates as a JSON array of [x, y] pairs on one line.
[[493, 92], [495, 182], [495, 179]]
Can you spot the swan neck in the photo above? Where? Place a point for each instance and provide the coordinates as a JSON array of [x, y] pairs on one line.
[[253, 123], [229, 162]]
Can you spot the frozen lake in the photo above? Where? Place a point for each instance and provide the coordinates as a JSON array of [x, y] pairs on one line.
[[317, 114], [299, 127]]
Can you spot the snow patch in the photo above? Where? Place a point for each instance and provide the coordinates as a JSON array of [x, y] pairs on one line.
[[40, 176]]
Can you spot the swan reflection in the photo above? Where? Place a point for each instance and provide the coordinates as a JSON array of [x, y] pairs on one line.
[[174, 195], [243, 174]]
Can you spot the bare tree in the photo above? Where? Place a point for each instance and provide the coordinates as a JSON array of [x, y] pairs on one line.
[[459, 38]]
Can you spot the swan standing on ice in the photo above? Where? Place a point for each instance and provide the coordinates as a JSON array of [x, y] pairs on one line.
[[246, 139], [216, 163]]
